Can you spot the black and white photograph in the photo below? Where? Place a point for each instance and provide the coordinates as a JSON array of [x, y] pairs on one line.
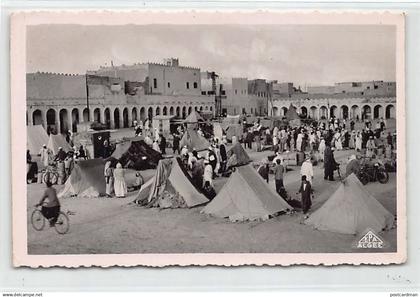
[[225, 138]]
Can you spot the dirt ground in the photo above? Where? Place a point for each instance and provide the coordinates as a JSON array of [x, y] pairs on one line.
[[113, 226]]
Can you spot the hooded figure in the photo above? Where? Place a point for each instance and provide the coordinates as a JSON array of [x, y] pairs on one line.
[[109, 178], [45, 155], [120, 187], [307, 169]]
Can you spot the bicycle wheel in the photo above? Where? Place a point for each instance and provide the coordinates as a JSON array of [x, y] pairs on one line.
[[62, 225], [46, 177], [54, 178], [37, 220], [382, 176], [364, 179]]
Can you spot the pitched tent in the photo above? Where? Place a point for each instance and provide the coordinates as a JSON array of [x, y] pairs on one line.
[[193, 140], [194, 117], [351, 210], [36, 136], [234, 130], [246, 196], [120, 149], [292, 116], [229, 119], [237, 156], [170, 188], [57, 141], [86, 179], [136, 154], [123, 146]]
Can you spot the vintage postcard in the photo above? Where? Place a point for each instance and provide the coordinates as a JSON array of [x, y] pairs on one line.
[[226, 138]]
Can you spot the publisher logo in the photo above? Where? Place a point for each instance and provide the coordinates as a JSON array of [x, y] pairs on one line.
[[370, 241]]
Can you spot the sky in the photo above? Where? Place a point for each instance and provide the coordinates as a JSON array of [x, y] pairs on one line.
[[303, 54]]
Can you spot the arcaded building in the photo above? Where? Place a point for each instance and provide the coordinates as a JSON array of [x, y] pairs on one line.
[[348, 100], [115, 96]]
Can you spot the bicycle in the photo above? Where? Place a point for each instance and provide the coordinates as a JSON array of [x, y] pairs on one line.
[[372, 173], [50, 175], [61, 226]]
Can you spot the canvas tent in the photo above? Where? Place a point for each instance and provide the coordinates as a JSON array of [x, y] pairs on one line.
[[237, 156], [170, 188], [194, 117], [136, 154], [246, 196], [293, 117], [234, 130], [193, 140], [123, 146], [36, 136], [229, 119], [57, 141], [351, 210], [86, 179]]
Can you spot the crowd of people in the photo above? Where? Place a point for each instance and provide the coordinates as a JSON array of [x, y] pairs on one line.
[[316, 142], [62, 160], [313, 142]]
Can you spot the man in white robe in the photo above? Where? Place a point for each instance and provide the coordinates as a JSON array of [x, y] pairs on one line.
[[307, 169]]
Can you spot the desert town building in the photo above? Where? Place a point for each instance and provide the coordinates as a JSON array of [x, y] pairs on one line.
[[347, 100], [116, 96]]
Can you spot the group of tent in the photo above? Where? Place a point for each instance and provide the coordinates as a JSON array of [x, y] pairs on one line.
[[37, 137], [172, 185], [245, 196], [232, 125]]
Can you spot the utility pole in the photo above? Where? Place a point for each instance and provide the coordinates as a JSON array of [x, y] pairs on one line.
[[87, 97], [217, 99], [270, 97]]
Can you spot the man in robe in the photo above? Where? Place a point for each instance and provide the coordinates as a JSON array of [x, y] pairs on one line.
[[307, 169], [328, 162], [45, 154], [305, 191]]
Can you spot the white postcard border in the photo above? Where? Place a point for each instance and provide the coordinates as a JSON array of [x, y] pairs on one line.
[[85, 17]]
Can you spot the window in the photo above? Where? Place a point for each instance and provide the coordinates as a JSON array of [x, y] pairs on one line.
[[155, 83], [169, 84], [195, 85], [223, 92], [188, 85], [203, 92], [236, 91]]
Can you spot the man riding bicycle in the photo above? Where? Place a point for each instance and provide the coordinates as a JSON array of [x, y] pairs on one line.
[[51, 209]]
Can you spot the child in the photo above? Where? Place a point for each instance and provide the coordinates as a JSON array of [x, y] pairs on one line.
[[306, 191], [139, 182], [209, 191], [51, 209]]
